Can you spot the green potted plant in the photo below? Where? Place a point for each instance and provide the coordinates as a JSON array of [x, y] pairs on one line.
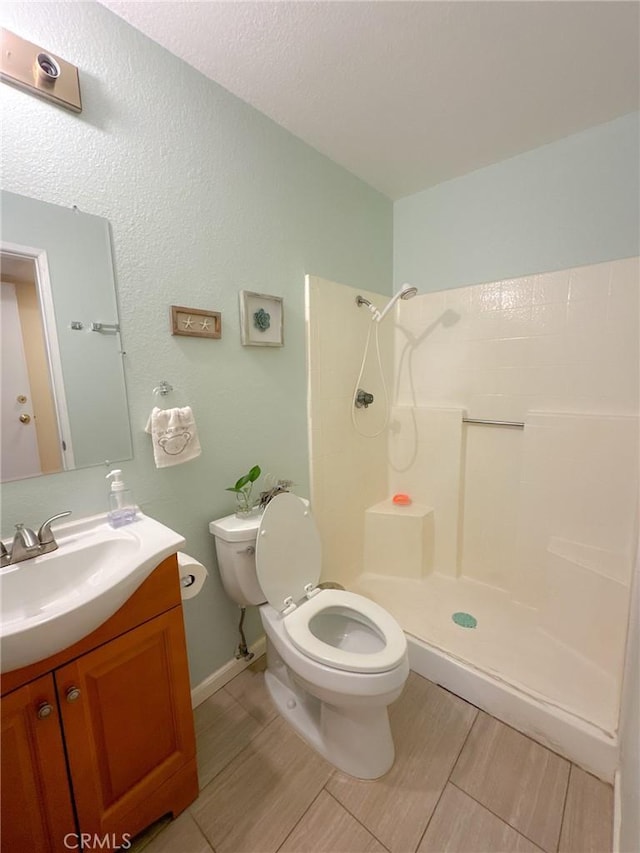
[[243, 489]]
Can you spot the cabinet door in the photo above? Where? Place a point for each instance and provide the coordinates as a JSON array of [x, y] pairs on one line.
[[128, 724], [36, 808]]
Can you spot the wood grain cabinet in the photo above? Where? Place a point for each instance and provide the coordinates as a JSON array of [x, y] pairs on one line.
[[98, 741], [35, 798]]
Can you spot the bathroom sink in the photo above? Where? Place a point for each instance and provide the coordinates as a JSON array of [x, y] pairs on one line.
[[54, 600]]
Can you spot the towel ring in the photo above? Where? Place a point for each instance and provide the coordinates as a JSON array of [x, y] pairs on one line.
[[163, 389]]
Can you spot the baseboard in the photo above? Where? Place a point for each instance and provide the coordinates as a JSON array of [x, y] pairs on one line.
[[227, 671]]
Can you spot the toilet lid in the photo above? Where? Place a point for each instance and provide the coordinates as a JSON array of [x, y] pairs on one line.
[[287, 550]]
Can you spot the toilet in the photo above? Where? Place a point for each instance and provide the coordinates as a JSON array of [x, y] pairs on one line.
[[335, 660]]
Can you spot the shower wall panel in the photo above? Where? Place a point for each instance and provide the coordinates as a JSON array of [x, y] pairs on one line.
[[565, 341], [577, 529], [348, 471], [425, 461], [490, 481]]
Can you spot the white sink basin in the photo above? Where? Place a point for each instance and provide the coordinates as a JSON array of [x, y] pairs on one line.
[[52, 601]]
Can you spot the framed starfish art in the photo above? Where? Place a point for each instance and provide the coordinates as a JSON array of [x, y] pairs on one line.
[[195, 323]]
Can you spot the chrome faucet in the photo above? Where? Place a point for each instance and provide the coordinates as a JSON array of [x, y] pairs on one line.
[[27, 544], [45, 533]]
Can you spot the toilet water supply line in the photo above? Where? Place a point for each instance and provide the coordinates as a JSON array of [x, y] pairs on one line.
[[243, 650], [406, 292]]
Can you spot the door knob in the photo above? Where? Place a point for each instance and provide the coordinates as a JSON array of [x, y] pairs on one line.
[[72, 694], [43, 710], [25, 419]]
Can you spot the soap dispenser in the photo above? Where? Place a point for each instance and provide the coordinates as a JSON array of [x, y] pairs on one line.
[[122, 509]]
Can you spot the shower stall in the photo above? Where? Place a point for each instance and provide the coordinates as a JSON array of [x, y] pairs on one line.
[[512, 424]]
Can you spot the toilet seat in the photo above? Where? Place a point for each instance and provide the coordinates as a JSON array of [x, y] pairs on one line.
[[358, 608]]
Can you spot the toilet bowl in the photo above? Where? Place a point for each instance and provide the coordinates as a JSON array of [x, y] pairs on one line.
[[335, 660]]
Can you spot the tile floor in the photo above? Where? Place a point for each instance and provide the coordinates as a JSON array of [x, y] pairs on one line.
[[462, 782]]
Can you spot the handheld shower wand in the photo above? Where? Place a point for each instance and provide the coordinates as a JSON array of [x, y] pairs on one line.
[[407, 292]]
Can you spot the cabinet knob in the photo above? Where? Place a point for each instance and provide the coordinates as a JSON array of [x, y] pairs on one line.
[[72, 694], [43, 710]]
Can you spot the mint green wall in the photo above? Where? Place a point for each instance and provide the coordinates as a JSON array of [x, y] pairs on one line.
[[205, 197], [570, 203]]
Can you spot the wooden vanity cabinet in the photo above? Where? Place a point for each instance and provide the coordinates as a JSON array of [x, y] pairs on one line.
[[118, 746], [35, 801]]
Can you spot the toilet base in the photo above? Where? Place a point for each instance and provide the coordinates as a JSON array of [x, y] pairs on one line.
[[356, 740]]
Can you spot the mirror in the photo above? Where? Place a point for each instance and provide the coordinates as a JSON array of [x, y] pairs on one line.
[[63, 402]]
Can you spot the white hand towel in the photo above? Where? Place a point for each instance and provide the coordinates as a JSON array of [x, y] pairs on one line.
[[174, 435]]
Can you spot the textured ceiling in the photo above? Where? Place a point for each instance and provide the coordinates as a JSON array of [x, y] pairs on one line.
[[409, 94]]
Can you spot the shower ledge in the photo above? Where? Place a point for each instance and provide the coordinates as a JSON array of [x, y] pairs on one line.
[[399, 539]]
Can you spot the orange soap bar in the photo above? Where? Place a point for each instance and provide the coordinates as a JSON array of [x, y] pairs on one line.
[[403, 500]]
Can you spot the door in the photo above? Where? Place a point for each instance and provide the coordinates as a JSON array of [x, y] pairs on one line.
[[128, 723], [37, 814], [20, 456]]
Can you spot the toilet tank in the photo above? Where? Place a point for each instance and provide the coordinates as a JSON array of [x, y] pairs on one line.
[[235, 546]]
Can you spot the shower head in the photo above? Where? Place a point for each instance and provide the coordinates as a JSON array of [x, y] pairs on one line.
[[407, 292]]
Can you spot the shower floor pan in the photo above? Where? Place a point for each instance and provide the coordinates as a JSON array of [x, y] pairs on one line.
[[506, 664]]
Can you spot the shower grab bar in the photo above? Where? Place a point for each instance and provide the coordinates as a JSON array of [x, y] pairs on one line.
[[513, 424]]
